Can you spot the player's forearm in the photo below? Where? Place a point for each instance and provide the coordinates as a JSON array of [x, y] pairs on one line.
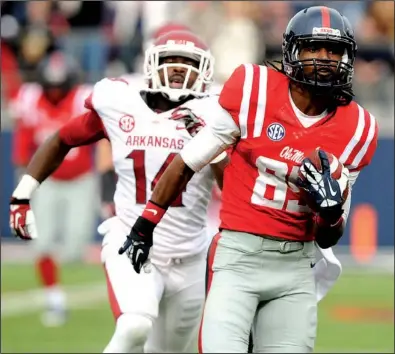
[[44, 162], [47, 158], [328, 235], [172, 182]]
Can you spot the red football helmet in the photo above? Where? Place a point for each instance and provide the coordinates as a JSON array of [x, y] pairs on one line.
[[160, 31], [169, 27], [182, 44]]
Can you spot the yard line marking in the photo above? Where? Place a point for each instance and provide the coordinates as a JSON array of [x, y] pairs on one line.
[[20, 303]]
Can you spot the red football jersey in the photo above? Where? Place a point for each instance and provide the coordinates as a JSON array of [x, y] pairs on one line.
[[259, 194], [37, 119]]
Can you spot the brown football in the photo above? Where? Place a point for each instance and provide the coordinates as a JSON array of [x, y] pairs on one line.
[[338, 172]]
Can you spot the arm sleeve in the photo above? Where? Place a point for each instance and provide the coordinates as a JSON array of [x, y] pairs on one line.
[[108, 183], [212, 140], [83, 129], [222, 129], [352, 179]]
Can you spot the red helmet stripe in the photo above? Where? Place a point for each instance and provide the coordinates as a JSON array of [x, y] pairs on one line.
[[326, 17]]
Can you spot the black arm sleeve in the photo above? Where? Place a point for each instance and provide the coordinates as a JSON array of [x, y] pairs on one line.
[[108, 181]]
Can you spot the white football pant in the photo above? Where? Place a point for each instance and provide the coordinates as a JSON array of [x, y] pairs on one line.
[[160, 308]]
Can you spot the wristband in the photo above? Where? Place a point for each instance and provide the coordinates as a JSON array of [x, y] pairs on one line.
[[219, 158], [26, 187], [323, 223], [153, 212]]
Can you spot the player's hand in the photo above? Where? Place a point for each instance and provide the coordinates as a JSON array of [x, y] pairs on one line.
[[22, 222], [139, 242], [323, 189], [193, 123]]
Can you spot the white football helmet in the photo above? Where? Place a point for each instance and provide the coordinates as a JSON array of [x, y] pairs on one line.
[[178, 44]]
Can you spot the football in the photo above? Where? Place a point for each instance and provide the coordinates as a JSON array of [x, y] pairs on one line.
[[338, 172]]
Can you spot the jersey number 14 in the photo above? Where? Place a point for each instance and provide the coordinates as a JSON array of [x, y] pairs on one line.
[[138, 157]]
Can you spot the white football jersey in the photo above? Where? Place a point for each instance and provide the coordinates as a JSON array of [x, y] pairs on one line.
[[143, 144], [136, 80]]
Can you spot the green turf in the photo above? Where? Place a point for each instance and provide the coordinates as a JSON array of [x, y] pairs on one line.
[[90, 327], [361, 291], [87, 331], [21, 277]]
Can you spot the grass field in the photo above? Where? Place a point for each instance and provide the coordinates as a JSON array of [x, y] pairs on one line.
[[357, 316]]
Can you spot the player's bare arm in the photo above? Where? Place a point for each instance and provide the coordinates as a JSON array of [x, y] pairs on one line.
[[47, 158], [172, 183], [82, 130], [178, 174], [52, 153], [205, 147]]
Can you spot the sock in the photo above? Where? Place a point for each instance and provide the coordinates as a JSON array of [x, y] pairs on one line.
[[130, 335], [48, 275]]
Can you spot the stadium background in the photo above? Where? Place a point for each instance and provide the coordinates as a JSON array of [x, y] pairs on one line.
[[107, 39]]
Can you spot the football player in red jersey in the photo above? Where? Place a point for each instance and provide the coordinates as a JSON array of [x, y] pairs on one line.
[[259, 266], [40, 108]]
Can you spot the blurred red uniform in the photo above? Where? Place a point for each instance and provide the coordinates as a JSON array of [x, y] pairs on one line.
[[63, 205], [37, 119]]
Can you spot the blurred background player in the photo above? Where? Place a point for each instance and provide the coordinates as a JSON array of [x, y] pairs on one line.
[[63, 205]]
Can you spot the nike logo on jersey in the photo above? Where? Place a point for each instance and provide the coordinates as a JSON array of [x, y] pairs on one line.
[[153, 211]]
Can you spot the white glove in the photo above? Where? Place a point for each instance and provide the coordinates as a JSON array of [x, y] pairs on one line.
[[22, 221]]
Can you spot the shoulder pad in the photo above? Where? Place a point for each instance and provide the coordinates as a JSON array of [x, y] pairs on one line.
[[112, 95]]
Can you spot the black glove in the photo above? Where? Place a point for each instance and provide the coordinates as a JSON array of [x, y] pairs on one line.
[[324, 190], [139, 242]]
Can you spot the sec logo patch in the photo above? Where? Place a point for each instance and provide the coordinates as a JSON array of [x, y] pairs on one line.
[[127, 123], [275, 132]]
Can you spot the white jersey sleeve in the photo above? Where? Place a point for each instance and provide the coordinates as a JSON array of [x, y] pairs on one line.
[[352, 179], [107, 95], [136, 80], [219, 133], [111, 99]]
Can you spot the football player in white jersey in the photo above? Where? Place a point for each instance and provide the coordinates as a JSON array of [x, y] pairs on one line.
[[104, 163], [160, 308]]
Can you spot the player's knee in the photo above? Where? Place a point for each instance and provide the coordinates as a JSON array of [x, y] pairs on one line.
[[134, 328]]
